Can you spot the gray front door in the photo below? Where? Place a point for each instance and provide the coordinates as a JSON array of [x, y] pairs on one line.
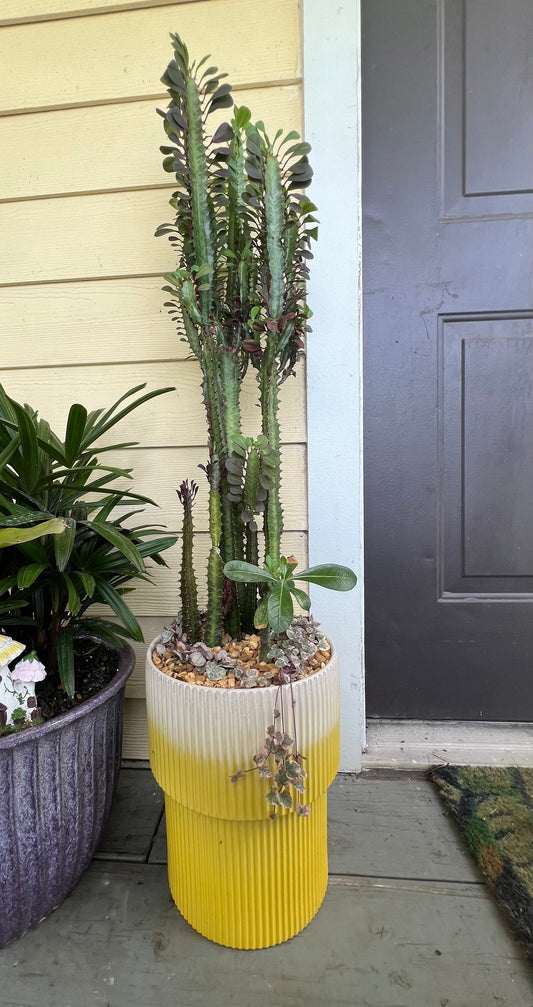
[[448, 325]]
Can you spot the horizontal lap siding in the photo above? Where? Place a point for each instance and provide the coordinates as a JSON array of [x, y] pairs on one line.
[[161, 595], [80, 270], [173, 419], [110, 146], [55, 324], [22, 11], [151, 464], [120, 57]]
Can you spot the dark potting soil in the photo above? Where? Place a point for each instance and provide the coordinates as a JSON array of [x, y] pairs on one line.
[[95, 665]]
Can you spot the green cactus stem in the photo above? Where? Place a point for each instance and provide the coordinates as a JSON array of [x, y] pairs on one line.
[[232, 544], [273, 524], [233, 533], [201, 215], [241, 236], [249, 499], [268, 379], [215, 581], [189, 592], [231, 386], [236, 190], [215, 576], [215, 519], [274, 217]]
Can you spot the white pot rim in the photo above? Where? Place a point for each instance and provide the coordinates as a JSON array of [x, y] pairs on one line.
[[197, 733]]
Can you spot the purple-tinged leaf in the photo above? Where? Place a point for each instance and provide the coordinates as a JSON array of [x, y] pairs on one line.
[[303, 810], [223, 134]]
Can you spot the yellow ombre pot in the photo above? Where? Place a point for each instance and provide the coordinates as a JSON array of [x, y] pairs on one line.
[[237, 876]]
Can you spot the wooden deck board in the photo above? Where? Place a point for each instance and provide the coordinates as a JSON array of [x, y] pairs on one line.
[[158, 852], [134, 818], [393, 828], [405, 922], [119, 941]]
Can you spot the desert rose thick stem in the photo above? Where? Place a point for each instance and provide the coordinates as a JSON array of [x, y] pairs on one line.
[[264, 646]]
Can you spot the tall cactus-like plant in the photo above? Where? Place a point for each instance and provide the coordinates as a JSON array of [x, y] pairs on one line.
[[189, 592], [284, 228], [242, 232]]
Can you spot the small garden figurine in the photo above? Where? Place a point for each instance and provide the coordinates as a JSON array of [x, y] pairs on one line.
[[18, 703]]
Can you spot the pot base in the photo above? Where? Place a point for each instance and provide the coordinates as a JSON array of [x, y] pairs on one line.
[[247, 884], [57, 782], [239, 878]]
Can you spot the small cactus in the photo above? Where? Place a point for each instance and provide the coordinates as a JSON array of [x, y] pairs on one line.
[[189, 592]]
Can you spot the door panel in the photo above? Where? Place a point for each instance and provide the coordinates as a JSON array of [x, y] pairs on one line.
[[448, 323], [498, 132], [484, 76]]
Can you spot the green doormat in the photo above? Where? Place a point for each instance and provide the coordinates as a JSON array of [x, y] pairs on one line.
[[494, 810]]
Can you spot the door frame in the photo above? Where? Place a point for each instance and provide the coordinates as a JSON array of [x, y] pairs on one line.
[[332, 117]]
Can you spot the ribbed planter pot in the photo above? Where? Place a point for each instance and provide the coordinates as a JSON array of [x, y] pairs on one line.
[[57, 783], [237, 876]]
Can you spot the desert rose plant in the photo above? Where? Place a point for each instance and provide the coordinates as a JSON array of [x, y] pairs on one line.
[[287, 642]]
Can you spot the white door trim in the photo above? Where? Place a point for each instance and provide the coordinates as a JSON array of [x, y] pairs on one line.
[[332, 116]]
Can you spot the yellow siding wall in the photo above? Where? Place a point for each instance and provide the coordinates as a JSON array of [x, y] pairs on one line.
[[82, 191]]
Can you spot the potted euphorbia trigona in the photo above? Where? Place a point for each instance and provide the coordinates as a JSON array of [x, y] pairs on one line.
[[243, 699]]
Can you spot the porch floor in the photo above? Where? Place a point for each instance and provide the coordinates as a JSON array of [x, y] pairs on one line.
[[406, 922]]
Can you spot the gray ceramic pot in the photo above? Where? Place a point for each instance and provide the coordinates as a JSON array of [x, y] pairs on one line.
[[57, 783]]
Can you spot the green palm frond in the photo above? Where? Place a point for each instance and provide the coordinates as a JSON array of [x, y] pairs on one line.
[[50, 580]]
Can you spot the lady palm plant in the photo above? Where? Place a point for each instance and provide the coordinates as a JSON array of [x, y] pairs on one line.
[[242, 233], [67, 531], [16, 535]]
